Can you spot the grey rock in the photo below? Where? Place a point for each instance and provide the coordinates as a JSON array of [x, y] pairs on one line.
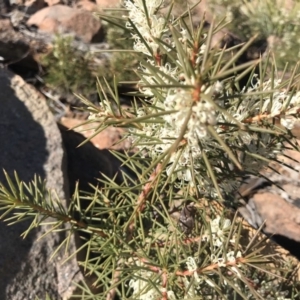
[[272, 201], [31, 144], [85, 166], [64, 19]]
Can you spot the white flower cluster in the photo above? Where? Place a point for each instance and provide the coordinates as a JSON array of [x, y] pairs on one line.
[[192, 267], [199, 110], [273, 106], [200, 114], [145, 291], [217, 231], [194, 285], [203, 114], [187, 112], [164, 77], [197, 280], [104, 111], [230, 257], [251, 110], [150, 26]]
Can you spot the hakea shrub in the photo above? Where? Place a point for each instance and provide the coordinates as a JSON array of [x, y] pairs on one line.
[[164, 232], [196, 133], [194, 111]]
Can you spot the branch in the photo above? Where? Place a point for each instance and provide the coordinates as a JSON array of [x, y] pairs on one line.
[[140, 206]]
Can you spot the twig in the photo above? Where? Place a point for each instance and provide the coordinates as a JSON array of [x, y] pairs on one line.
[[140, 205], [116, 276], [264, 116]]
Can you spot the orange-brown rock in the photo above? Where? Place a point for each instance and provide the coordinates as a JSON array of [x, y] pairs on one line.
[[107, 139], [64, 19], [108, 3]]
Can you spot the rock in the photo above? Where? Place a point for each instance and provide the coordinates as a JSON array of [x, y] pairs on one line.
[[32, 6], [86, 163], [108, 3], [208, 10], [17, 51], [282, 218], [86, 5], [63, 19], [278, 203], [21, 51], [106, 139], [11, 46], [31, 144]]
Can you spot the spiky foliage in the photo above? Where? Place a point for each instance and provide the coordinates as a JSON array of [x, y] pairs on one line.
[[123, 61], [274, 20], [71, 70], [164, 232], [67, 69]]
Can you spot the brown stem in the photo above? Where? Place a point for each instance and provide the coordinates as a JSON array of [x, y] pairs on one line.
[[64, 218], [140, 205]]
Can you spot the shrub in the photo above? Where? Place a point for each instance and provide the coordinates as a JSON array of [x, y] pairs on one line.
[[164, 232]]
